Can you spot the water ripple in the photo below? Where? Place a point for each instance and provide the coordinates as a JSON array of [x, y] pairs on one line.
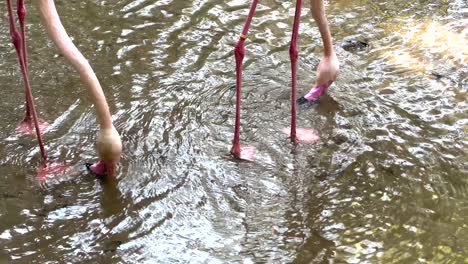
[[385, 183]]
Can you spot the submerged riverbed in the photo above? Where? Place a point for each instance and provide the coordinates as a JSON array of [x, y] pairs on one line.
[[386, 183]]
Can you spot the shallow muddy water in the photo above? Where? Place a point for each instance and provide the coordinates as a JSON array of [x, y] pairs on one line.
[[386, 183]]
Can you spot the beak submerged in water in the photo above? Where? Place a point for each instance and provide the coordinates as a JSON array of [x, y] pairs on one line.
[[109, 147], [102, 168]]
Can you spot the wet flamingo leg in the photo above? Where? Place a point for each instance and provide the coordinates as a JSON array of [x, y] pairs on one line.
[[239, 53], [294, 54], [21, 11], [18, 42]]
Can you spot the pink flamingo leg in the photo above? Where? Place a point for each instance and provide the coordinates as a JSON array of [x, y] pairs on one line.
[[27, 124], [21, 11], [294, 54], [18, 43], [242, 152], [297, 134]]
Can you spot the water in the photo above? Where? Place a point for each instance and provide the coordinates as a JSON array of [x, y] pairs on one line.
[[386, 183]]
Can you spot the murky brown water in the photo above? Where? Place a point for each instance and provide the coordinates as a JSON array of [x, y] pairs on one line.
[[387, 182]]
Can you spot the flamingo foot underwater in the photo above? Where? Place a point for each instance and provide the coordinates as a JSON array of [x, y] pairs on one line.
[[303, 135], [244, 152], [52, 170], [26, 126]]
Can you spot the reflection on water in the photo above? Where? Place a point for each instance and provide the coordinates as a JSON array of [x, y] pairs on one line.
[[386, 182], [429, 48]]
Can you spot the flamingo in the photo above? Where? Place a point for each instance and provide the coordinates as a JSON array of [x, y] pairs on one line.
[[109, 145], [327, 71]]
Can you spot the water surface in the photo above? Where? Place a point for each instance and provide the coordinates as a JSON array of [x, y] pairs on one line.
[[386, 183]]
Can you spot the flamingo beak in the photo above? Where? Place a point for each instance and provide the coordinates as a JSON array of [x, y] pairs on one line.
[[102, 168]]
